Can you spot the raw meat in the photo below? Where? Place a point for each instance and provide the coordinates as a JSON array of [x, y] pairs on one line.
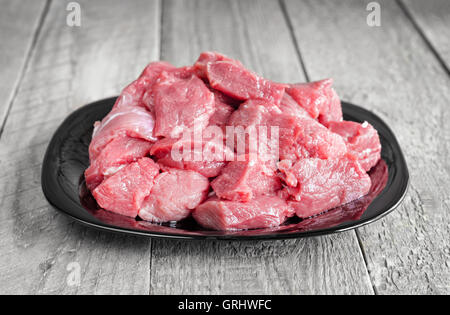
[[174, 195], [224, 215], [245, 179], [207, 57], [209, 167], [181, 73], [134, 93], [118, 153], [181, 104], [125, 191], [319, 99], [350, 211], [221, 113], [299, 135], [250, 117], [218, 125], [289, 106], [223, 98], [238, 82], [306, 138], [134, 122], [253, 113], [362, 141], [316, 185]]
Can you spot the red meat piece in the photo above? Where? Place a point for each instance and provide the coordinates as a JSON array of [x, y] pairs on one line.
[[263, 212], [125, 191], [207, 166], [256, 113], [181, 104], [133, 94], [319, 99], [289, 106], [221, 114], [207, 57], [223, 98], [181, 73], [245, 179], [117, 154], [300, 136], [362, 141], [306, 138], [317, 185], [253, 113], [134, 122], [238, 82], [174, 195]]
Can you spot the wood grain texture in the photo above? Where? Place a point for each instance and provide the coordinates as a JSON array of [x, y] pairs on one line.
[[432, 17], [391, 70], [69, 67], [19, 22], [256, 32]]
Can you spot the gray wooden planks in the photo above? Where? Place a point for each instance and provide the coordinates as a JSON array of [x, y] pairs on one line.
[[432, 17], [255, 32], [19, 22], [68, 68], [391, 71], [408, 252]]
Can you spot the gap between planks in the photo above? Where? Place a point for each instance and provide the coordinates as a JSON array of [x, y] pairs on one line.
[[26, 62], [409, 15], [294, 39]]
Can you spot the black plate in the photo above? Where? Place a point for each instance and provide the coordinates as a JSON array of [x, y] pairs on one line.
[[67, 158]]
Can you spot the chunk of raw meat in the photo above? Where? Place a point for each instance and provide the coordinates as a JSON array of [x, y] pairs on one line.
[[319, 99], [221, 114], [251, 116], [306, 138], [240, 83], [317, 185], [117, 154], [181, 104], [246, 179], [225, 99], [133, 94], [205, 165], [174, 195], [134, 122], [223, 215], [207, 57], [181, 73], [253, 113], [289, 106], [300, 136], [125, 191], [352, 210], [362, 141]]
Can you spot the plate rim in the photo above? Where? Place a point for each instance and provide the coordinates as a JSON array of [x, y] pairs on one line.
[[174, 236]]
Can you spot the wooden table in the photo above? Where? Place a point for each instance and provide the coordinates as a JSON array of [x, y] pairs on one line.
[[399, 70]]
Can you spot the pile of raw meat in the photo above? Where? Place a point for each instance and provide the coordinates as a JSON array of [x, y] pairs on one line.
[[321, 163]]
